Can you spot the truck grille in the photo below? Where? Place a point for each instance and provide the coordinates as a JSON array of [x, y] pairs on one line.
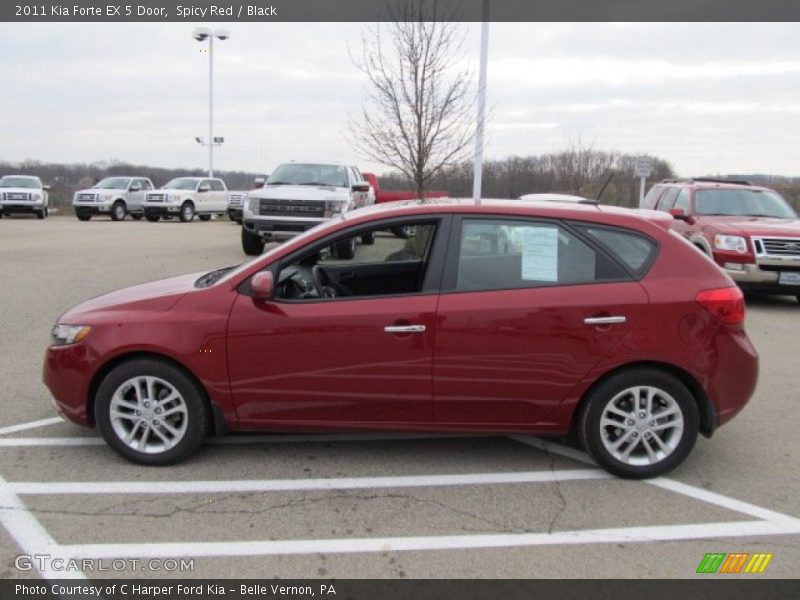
[[23, 196], [291, 208], [777, 247], [155, 197], [235, 199], [87, 197]]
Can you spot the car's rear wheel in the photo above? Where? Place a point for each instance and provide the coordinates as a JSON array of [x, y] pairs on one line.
[[252, 244], [346, 249], [151, 412], [204, 217], [368, 238], [405, 231], [152, 218], [118, 211], [187, 212], [639, 423]]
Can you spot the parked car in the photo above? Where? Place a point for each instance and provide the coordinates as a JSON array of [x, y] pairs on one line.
[[187, 197], [748, 230], [596, 320], [382, 196], [24, 194], [298, 196], [113, 196], [236, 202]]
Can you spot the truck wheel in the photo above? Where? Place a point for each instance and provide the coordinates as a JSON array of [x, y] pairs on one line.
[[187, 212], [118, 211], [252, 244], [405, 232], [152, 218], [83, 216], [136, 217], [238, 221], [346, 248], [204, 217], [368, 238], [41, 214]]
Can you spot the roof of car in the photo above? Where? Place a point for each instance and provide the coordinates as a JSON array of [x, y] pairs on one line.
[[533, 208], [708, 182], [22, 176], [557, 198]]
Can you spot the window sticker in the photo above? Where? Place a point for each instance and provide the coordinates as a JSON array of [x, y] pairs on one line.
[[540, 254]]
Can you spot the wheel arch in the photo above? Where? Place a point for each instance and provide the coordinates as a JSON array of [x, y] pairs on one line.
[[704, 406], [216, 425]]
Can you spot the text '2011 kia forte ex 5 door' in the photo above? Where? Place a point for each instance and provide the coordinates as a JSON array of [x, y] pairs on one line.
[[500, 316]]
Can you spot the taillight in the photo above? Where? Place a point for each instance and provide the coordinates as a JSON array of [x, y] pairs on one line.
[[727, 304]]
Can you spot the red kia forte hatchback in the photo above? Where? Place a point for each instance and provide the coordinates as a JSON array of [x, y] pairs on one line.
[[501, 316]]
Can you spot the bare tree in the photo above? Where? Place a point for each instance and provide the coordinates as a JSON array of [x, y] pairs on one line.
[[417, 116]]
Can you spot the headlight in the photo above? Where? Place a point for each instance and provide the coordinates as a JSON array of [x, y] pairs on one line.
[[69, 334], [36, 197], [733, 243], [170, 197], [106, 196], [252, 205], [333, 207]]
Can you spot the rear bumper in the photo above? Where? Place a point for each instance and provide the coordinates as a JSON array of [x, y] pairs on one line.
[[733, 381]]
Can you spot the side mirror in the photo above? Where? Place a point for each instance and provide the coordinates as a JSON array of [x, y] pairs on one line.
[[678, 213], [261, 286], [361, 186], [135, 188]]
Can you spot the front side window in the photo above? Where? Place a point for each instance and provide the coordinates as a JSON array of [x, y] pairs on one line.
[[668, 199], [682, 201], [500, 254], [385, 265]]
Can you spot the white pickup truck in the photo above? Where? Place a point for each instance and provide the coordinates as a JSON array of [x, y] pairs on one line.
[[24, 194], [186, 197], [112, 196], [298, 196]]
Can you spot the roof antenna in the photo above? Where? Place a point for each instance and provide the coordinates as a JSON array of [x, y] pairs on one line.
[[605, 185]]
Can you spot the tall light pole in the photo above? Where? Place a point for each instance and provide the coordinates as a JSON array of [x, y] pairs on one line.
[[478, 168], [202, 34]]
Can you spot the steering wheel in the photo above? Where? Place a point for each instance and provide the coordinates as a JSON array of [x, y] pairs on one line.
[[297, 282], [330, 287]]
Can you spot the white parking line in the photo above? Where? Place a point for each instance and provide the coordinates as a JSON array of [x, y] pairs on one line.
[[30, 425], [29, 534], [443, 542], [284, 485]]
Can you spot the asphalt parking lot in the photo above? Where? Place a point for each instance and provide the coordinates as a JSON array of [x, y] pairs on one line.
[[350, 505]]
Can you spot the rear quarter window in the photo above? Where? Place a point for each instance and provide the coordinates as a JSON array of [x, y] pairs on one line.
[[635, 251]]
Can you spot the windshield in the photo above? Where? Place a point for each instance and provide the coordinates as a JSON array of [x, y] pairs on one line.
[[182, 183], [309, 174], [113, 183], [742, 203], [10, 181]]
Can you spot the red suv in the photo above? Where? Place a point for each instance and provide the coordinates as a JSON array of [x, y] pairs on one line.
[[500, 316], [749, 231]]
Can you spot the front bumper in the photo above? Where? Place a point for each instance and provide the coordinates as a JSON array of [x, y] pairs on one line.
[[767, 276], [91, 208], [21, 207], [66, 373], [161, 210], [269, 227]]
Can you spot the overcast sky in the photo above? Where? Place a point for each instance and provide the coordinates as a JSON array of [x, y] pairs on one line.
[[709, 98]]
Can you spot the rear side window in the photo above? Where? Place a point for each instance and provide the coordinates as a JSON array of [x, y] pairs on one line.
[[509, 254], [216, 185], [635, 251], [652, 197]]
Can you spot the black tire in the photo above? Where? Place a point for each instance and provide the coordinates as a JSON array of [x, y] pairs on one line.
[[591, 434], [368, 238], [238, 221], [346, 249], [252, 244], [41, 214], [187, 212], [197, 414], [118, 211], [152, 218], [204, 217], [405, 232], [136, 217]]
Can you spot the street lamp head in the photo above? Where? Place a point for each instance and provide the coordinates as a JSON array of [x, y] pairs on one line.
[[222, 34], [201, 33]]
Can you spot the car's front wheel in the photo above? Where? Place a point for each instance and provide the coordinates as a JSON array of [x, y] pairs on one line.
[[151, 412], [639, 423], [118, 211], [346, 249], [252, 244], [187, 212]]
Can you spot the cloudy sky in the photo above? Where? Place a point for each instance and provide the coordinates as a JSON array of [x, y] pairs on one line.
[[709, 98]]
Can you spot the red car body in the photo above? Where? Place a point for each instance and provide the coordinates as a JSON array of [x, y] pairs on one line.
[[506, 360], [382, 195]]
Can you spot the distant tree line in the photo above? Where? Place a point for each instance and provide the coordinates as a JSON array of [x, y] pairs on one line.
[[65, 179]]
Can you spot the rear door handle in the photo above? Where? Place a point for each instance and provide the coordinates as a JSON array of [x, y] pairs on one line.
[[404, 329], [612, 320]]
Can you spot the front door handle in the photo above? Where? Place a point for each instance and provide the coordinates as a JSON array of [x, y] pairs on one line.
[[404, 329], [611, 320]]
